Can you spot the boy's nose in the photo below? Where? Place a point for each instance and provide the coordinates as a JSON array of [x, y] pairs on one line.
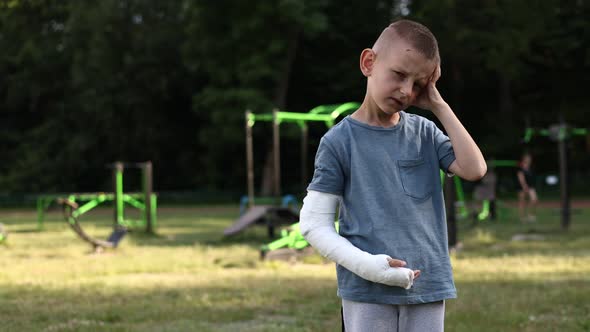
[[406, 89]]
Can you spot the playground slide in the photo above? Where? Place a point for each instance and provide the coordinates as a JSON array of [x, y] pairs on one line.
[[262, 214]]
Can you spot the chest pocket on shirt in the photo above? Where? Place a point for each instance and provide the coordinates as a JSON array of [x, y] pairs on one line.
[[414, 175]]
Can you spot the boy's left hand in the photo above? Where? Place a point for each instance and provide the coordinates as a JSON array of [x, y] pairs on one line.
[[399, 263], [430, 99]]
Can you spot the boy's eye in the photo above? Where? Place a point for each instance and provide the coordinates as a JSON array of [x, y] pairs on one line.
[[399, 74]]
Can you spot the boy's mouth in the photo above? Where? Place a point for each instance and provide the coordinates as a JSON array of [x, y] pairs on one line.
[[397, 102]]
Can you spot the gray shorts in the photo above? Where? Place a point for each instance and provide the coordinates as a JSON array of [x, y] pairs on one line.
[[362, 317]]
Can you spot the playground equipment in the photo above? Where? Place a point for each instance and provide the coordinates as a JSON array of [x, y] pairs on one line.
[[3, 235], [292, 238], [75, 205], [273, 215], [459, 198], [287, 201], [488, 186], [560, 133]]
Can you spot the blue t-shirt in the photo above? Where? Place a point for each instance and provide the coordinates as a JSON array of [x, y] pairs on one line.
[[392, 202]]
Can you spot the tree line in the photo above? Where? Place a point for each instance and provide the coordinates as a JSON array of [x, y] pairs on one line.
[[86, 83]]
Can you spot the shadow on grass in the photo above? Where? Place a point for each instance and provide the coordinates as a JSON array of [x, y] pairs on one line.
[[280, 304], [513, 237], [255, 304]]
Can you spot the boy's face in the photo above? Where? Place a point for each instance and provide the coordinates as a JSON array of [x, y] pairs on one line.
[[396, 75]]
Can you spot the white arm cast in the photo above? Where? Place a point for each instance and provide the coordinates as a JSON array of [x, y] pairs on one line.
[[317, 226]]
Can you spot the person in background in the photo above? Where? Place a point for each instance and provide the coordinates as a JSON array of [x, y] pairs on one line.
[[484, 195], [527, 195]]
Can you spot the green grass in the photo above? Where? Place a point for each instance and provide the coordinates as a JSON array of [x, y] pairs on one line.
[[188, 278]]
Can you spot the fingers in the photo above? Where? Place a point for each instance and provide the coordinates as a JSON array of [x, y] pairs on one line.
[[396, 262], [436, 74]]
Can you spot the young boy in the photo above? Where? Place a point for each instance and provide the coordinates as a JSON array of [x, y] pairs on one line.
[[381, 165]]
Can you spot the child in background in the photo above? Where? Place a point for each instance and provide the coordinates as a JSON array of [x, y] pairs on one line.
[[527, 195]]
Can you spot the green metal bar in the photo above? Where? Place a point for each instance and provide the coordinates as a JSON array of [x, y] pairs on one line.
[[561, 135], [280, 243], [344, 108], [262, 117], [87, 197], [3, 235], [153, 209], [460, 197], [485, 211], [88, 206], [287, 117], [323, 109], [120, 215], [325, 113], [580, 131], [291, 238], [292, 116], [252, 118], [133, 202]]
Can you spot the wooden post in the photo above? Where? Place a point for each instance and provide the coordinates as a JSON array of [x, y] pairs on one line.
[[563, 174], [249, 160], [147, 190], [118, 192], [276, 154]]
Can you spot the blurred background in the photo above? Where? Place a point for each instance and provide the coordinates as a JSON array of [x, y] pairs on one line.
[[85, 83]]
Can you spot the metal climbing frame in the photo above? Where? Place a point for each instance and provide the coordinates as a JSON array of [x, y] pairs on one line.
[[75, 205], [323, 113]]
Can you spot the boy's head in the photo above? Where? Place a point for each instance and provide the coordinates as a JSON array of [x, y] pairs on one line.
[[400, 64]]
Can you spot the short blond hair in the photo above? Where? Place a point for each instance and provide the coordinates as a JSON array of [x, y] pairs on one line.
[[418, 35]]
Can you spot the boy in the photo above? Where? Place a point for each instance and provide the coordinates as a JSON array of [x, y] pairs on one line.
[[381, 165]]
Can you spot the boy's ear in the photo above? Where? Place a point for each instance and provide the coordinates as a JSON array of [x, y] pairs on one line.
[[367, 61]]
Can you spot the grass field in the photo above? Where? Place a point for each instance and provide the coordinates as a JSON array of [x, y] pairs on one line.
[[187, 278]]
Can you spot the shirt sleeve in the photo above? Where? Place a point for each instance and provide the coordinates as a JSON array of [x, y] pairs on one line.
[[444, 149], [328, 176]]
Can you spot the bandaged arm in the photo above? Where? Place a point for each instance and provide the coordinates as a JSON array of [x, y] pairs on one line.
[[317, 226]]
